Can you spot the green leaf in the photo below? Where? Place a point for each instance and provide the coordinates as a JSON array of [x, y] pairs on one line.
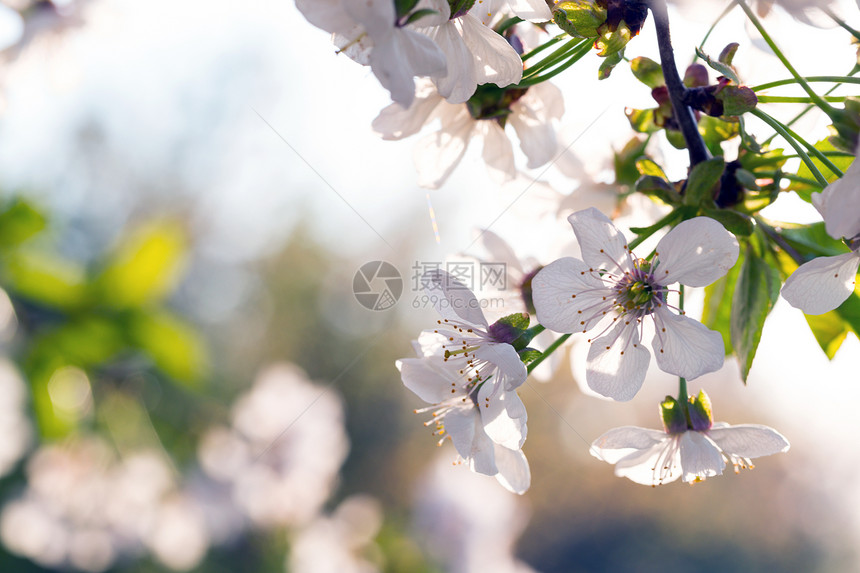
[[829, 330], [719, 66], [811, 240], [805, 190], [18, 222], [146, 266], [403, 7], [518, 320], [46, 279], [703, 178], [609, 62], [755, 294], [736, 223], [647, 71], [850, 312], [715, 130], [647, 166], [642, 120], [655, 186], [174, 346], [625, 160], [529, 355], [717, 312]]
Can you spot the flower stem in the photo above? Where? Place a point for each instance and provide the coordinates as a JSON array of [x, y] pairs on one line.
[[781, 130], [812, 79], [812, 149], [683, 397], [557, 56], [549, 43], [840, 22], [683, 114], [577, 55], [826, 107], [546, 353], [725, 13], [797, 99]]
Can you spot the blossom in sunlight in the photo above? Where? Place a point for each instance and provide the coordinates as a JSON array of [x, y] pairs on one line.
[[279, 457], [370, 32], [691, 450], [614, 291], [532, 113], [466, 526], [507, 289], [469, 372], [824, 283], [338, 543]]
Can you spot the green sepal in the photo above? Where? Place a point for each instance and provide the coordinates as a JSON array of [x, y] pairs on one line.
[[700, 412], [404, 7], [642, 120], [673, 416], [737, 100], [613, 41], [529, 355], [518, 320], [579, 18], [702, 180], [418, 14], [609, 64]]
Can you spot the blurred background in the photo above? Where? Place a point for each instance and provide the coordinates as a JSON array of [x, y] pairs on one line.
[[188, 383]]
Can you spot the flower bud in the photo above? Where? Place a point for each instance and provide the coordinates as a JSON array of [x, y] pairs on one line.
[[579, 18], [701, 414]]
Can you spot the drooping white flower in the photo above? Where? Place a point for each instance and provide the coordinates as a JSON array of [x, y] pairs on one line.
[[655, 457], [369, 32], [613, 289], [475, 55], [469, 372], [532, 113], [824, 283]]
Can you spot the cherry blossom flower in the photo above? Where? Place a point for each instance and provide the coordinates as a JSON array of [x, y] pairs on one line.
[[469, 372], [690, 451], [533, 114], [824, 283], [369, 32], [613, 289]]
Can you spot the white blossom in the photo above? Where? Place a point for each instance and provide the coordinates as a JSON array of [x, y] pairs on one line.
[[655, 457], [533, 115], [824, 283], [613, 289]]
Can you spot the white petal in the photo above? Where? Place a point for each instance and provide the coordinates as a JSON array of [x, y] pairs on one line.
[[396, 122], [500, 251], [822, 284], [514, 473], [603, 246], [617, 363], [700, 457], [427, 378], [377, 16], [495, 60], [618, 443], [498, 152], [402, 56], [840, 205], [531, 117], [486, 10], [512, 372], [459, 83], [438, 154], [327, 15], [657, 465], [467, 433], [684, 346], [440, 6], [695, 253], [532, 10], [498, 424], [453, 300], [564, 294], [749, 440]]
